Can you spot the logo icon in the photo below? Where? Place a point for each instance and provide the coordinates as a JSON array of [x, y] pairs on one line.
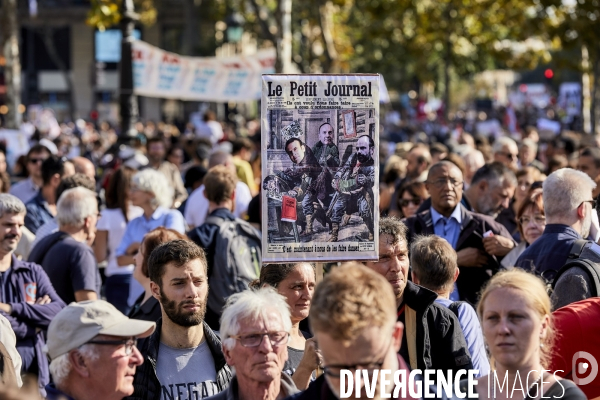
[[580, 368]]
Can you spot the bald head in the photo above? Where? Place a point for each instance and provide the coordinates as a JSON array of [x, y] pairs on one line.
[[85, 167], [221, 158]]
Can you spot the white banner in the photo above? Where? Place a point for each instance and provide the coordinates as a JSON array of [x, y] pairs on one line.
[[320, 148], [158, 73]]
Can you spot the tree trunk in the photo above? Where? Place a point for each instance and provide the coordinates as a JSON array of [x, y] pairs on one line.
[[326, 22], [284, 54], [12, 70], [47, 35], [596, 92], [586, 95]]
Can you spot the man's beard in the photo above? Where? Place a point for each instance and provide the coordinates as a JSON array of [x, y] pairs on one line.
[[483, 207], [585, 226], [362, 158], [173, 311]]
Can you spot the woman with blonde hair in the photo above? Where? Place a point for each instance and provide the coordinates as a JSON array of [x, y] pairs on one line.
[[516, 318]]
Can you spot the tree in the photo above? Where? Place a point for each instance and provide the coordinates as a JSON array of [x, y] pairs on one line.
[[573, 25], [12, 70], [430, 39], [104, 14]]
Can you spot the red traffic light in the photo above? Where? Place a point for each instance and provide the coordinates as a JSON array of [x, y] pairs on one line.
[[548, 73]]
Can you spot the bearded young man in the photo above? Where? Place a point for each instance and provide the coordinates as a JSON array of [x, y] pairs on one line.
[[183, 358]]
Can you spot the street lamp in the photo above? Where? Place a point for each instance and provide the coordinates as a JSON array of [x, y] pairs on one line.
[[235, 27], [127, 99]]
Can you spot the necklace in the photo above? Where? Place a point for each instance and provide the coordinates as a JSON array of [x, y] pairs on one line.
[[527, 396]]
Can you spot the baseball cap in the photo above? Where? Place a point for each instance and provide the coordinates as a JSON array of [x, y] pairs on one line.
[[78, 323]]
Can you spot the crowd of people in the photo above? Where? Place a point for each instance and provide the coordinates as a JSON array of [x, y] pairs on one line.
[[134, 270]]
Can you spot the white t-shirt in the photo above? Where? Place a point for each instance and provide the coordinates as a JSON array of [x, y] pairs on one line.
[[196, 209], [113, 221], [211, 130], [186, 373]]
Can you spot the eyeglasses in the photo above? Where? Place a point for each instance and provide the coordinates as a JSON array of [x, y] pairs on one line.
[[36, 160], [415, 202], [255, 339], [440, 183], [537, 220], [509, 155], [129, 343], [592, 202], [335, 371]]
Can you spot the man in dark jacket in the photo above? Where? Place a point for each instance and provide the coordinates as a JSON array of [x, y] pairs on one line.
[[353, 317], [435, 339], [183, 357], [258, 358], [568, 204], [27, 298], [479, 241]]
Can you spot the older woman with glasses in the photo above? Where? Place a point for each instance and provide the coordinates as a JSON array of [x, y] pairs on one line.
[[531, 222], [151, 192]]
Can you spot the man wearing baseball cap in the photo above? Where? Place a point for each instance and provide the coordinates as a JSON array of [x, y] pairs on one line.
[[92, 347]]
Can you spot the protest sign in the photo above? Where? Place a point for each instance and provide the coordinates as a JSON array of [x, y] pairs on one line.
[[158, 73], [320, 138]]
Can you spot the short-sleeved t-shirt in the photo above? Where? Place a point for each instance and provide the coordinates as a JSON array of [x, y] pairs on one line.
[[70, 265], [186, 373], [113, 221]]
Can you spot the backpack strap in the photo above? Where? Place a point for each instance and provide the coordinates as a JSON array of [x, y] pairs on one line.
[[455, 306], [49, 245], [577, 248], [590, 267], [214, 220]]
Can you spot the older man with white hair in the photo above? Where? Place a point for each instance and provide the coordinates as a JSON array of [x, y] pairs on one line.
[[255, 327], [93, 350], [506, 151], [568, 205], [66, 255]]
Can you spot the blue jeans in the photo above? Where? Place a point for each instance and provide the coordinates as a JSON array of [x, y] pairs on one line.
[[117, 291]]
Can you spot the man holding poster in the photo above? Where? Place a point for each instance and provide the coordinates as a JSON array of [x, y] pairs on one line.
[[354, 185]]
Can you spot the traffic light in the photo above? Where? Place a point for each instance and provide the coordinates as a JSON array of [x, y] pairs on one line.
[[549, 74]]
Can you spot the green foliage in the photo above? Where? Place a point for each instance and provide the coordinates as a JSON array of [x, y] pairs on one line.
[[105, 14]]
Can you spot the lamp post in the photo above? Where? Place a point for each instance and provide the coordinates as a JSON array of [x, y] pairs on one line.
[[127, 99]]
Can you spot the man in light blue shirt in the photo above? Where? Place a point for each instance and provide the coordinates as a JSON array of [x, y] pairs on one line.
[[434, 266], [479, 241]]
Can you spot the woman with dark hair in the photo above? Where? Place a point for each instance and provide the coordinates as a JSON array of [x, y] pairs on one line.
[[110, 230], [410, 198], [146, 307], [295, 282]]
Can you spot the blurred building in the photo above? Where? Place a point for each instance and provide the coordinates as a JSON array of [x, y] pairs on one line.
[[57, 43]]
